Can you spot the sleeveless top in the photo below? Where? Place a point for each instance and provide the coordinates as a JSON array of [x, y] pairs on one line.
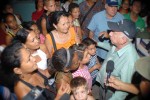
[[39, 93], [43, 63], [66, 45]]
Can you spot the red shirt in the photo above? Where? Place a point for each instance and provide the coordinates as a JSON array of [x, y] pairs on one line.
[[37, 14]]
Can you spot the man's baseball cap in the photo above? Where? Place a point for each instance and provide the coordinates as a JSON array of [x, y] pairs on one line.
[[112, 2], [126, 26], [142, 66]]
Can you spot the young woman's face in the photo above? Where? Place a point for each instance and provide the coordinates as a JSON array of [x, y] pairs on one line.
[[11, 22], [125, 4], [81, 93], [28, 63], [63, 25], [75, 13], [33, 41]]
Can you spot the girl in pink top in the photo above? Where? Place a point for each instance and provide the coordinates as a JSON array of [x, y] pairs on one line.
[[82, 71]]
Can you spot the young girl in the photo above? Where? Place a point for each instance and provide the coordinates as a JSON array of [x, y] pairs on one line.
[[63, 61], [75, 12], [83, 69], [93, 64], [79, 88]]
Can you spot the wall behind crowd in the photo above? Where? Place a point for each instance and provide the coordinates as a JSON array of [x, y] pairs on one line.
[[24, 8]]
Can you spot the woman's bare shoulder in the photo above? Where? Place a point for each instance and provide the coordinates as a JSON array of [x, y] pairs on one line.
[[21, 90]]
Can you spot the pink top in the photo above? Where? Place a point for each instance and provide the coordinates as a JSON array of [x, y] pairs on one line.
[[42, 39], [84, 73]]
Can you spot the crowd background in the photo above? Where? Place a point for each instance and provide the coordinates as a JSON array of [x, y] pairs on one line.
[[69, 39]]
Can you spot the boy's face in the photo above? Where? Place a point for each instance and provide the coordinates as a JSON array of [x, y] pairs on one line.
[[50, 6], [81, 93], [91, 49]]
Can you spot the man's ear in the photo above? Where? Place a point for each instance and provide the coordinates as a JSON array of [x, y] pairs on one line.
[[124, 40], [45, 8], [17, 71]]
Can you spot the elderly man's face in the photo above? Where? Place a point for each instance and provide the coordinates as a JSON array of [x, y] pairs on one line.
[[111, 11], [116, 37]]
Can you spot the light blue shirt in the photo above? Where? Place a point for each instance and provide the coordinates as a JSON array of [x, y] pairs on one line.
[[99, 24], [124, 60]]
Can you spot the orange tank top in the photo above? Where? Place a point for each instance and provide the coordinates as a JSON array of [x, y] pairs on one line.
[[67, 44]]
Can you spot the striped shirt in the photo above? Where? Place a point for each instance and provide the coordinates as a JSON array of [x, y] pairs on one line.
[[92, 62]]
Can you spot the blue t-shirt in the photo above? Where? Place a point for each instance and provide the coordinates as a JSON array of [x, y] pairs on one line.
[[99, 24]]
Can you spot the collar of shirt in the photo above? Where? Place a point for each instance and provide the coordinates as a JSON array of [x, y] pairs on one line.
[[122, 50]]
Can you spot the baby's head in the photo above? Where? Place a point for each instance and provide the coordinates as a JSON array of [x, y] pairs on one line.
[[91, 46], [79, 88]]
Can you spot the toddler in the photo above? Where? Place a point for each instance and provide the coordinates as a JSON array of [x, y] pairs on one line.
[[79, 88], [93, 64]]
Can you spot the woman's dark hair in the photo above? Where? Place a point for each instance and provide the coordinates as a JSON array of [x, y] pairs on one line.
[[27, 25], [6, 16], [59, 58], [88, 42], [22, 35], [72, 6], [11, 58], [56, 17]]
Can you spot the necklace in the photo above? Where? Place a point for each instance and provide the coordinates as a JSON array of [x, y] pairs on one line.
[[63, 38]]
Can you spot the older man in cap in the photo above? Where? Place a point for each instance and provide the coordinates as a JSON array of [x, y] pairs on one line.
[[142, 67], [122, 53]]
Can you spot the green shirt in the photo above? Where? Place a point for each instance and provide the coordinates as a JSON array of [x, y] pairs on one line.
[[140, 24], [124, 60]]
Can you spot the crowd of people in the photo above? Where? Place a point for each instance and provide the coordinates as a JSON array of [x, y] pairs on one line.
[[64, 52]]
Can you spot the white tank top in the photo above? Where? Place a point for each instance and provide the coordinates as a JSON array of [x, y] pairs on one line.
[[43, 63]]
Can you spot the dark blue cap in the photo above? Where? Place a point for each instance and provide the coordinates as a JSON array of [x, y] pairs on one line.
[[112, 2]]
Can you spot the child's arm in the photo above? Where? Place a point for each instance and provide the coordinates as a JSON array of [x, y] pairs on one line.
[[96, 66]]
